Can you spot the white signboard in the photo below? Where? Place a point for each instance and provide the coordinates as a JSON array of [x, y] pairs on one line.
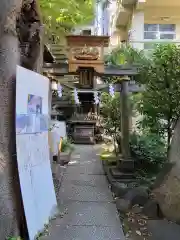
[[33, 154]]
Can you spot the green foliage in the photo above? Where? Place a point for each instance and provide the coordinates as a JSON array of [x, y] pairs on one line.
[[66, 145], [14, 238], [61, 16], [160, 73], [149, 150], [125, 55], [110, 111], [160, 102]]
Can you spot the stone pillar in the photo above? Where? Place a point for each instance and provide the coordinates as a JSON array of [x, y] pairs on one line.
[[124, 120], [125, 163]]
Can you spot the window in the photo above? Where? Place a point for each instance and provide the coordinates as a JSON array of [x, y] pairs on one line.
[[86, 32], [159, 31]]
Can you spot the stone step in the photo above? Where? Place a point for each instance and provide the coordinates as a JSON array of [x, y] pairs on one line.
[[126, 165], [126, 180], [121, 175]]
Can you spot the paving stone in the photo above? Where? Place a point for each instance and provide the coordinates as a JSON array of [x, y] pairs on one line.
[[91, 168], [85, 193], [90, 214], [86, 233], [163, 230], [85, 180], [87, 209]]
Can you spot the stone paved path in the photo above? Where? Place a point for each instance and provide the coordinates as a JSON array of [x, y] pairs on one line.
[[86, 201]]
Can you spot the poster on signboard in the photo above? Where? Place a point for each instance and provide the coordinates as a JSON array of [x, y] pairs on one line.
[[34, 104], [33, 155]]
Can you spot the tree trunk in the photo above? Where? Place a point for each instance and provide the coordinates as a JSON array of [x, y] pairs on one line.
[[29, 30], [9, 58], [11, 210]]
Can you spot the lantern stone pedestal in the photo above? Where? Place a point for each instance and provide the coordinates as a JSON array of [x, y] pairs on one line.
[[126, 165], [64, 157]]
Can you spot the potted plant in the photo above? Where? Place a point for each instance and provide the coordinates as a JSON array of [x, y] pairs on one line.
[[64, 153]]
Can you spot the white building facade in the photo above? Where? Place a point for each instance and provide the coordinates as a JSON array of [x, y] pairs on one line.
[[146, 22]]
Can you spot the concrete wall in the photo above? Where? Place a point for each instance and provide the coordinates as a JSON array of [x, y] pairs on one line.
[[153, 15], [137, 30]]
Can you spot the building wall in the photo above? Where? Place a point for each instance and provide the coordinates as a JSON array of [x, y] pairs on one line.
[[116, 35], [136, 34], [153, 15]]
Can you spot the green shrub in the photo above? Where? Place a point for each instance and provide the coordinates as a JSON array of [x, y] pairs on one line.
[[149, 151], [66, 145]]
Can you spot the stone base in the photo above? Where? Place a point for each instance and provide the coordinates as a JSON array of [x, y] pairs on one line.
[[126, 165], [163, 229], [117, 174], [63, 158]]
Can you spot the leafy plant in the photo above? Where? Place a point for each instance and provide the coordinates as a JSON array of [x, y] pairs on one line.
[[159, 103], [110, 111], [149, 150], [66, 145], [61, 16], [125, 54]]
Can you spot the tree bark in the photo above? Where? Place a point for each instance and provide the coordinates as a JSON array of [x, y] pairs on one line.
[[12, 12], [9, 58], [29, 30]]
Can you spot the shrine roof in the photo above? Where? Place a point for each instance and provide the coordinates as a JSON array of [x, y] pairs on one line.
[[89, 40], [61, 69]]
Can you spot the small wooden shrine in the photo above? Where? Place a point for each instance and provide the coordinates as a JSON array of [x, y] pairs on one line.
[[86, 57]]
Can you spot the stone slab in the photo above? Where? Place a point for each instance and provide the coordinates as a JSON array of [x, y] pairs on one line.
[[163, 230], [86, 233], [85, 193], [120, 175], [87, 209], [91, 168], [90, 214], [85, 180]]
